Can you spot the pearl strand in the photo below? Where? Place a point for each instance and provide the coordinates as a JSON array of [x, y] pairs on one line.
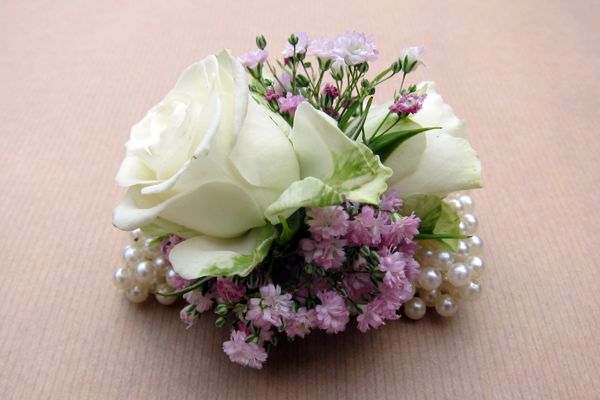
[[145, 271], [448, 278]]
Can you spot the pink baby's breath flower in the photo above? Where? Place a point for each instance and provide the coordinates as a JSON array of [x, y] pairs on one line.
[[178, 282], [409, 103], [246, 354], [413, 54], [189, 315], [323, 49], [365, 229], [267, 310], [253, 58], [167, 245], [327, 222], [357, 285], [285, 86], [271, 95], [390, 203], [290, 103], [355, 48], [303, 41], [329, 253], [394, 266], [331, 90], [229, 290], [332, 314], [201, 302], [301, 322], [373, 314], [401, 231]]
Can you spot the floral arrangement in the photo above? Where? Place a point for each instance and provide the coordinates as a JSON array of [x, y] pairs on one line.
[[278, 195]]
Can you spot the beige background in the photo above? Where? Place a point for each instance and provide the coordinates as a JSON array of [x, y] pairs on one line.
[[75, 75]]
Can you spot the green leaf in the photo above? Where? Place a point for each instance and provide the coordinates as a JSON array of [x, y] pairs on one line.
[[194, 285], [309, 192], [448, 224], [381, 75], [385, 145], [343, 121], [425, 206], [288, 228]]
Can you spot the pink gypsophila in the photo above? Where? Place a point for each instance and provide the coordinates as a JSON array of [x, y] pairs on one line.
[[189, 315], [401, 231], [271, 96], [390, 203], [290, 103], [229, 290], [365, 229], [373, 315], [327, 222], [303, 40], [253, 58], [167, 244], [327, 253], [331, 90], [394, 266], [323, 49], [267, 310], [332, 314], [300, 323], [409, 103], [285, 86], [246, 354], [355, 48], [201, 302], [357, 285]]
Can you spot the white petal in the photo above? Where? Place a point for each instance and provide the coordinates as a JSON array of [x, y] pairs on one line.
[[220, 209], [208, 256], [263, 154], [240, 90], [448, 164], [134, 172]]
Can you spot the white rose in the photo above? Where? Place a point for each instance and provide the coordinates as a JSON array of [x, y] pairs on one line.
[[438, 161], [206, 157]]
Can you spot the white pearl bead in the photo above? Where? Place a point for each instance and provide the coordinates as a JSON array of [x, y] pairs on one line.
[[475, 245], [425, 256], [453, 195], [151, 251], [467, 203], [459, 274], [471, 223], [430, 278], [122, 279], [165, 289], [169, 276], [162, 266], [415, 308], [132, 256], [446, 306], [448, 288], [463, 228], [463, 251], [413, 290], [153, 286], [429, 296], [456, 205], [443, 259], [476, 265], [138, 293], [471, 291], [144, 271], [137, 237]]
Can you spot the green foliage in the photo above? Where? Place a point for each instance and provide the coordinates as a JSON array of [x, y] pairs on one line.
[[385, 145]]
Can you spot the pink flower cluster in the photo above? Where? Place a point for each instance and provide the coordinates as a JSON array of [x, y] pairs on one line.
[[409, 103], [352, 258]]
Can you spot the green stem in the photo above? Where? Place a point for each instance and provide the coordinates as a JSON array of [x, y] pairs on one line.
[[378, 128], [269, 271]]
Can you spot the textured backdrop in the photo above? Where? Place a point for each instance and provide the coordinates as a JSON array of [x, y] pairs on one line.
[[76, 75]]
